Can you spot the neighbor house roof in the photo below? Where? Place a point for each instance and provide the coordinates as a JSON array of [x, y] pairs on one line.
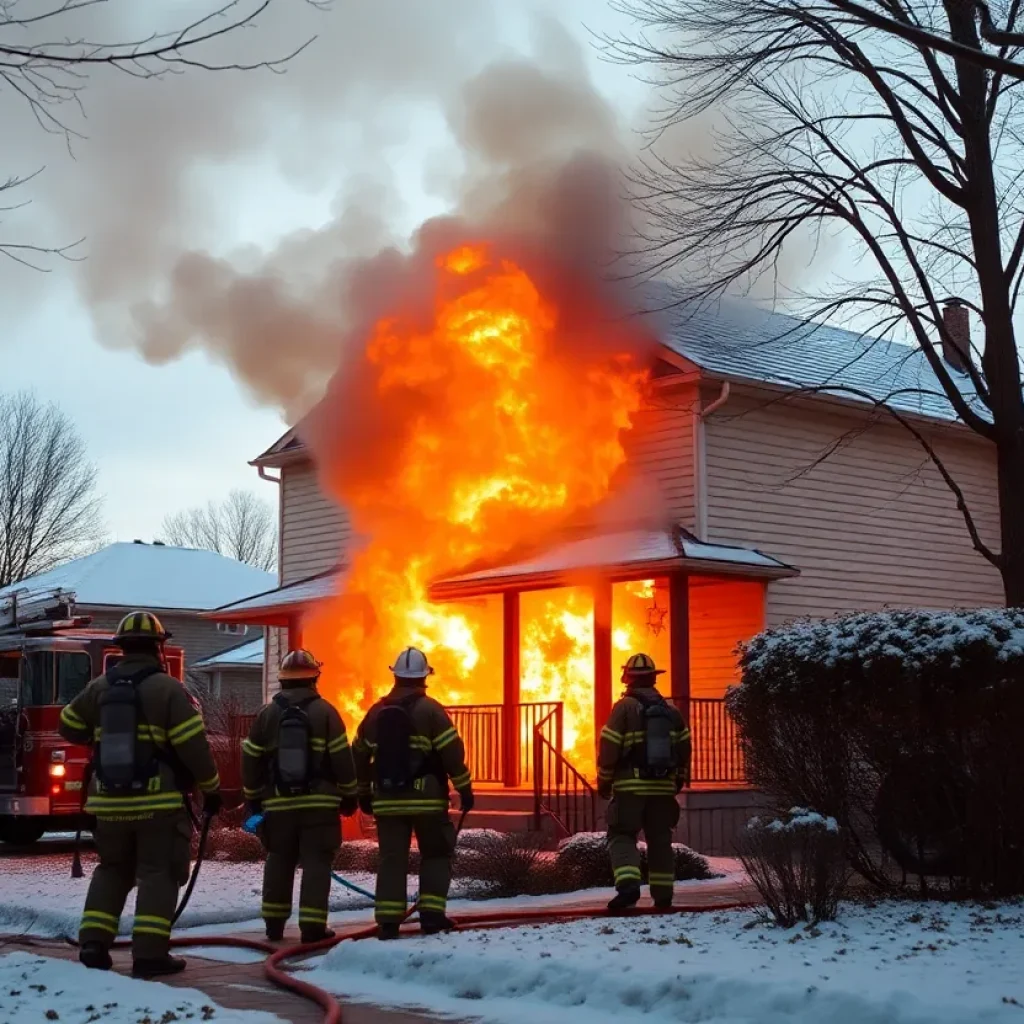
[[743, 343], [247, 655], [274, 606], [740, 342], [151, 576], [622, 554]]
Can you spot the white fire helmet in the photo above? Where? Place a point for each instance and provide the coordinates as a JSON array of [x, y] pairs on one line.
[[412, 664]]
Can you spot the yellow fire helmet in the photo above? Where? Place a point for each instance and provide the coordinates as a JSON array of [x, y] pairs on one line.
[[641, 665], [141, 626]]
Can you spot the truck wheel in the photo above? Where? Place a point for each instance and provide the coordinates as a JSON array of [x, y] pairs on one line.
[[21, 831]]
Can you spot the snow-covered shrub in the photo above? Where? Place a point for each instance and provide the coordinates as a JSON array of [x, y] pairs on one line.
[[356, 855], [584, 857], [233, 845], [904, 727], [798, 865], [503, 863]]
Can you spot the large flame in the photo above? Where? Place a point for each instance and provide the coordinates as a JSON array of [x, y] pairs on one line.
[[512, 432]]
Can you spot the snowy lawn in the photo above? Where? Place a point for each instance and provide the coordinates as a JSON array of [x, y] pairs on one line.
[[35, 988], [900, 963], [38, 896]]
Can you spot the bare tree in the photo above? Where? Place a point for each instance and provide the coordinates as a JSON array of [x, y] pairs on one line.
[[49, 510], [47, 53], [242, 527], [831, 126]]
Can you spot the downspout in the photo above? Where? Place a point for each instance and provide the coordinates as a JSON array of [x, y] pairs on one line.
[[700, 460], [264, 475]]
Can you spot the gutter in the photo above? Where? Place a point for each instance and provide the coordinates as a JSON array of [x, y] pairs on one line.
[[700, 471]]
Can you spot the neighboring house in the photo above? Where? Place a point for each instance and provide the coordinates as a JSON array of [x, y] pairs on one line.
[[175, 583], [235, 676], [788, 491]]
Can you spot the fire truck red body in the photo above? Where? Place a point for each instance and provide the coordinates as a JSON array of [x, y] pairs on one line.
[[44, 664]]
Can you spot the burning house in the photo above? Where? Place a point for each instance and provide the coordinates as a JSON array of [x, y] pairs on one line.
[[531, 490]]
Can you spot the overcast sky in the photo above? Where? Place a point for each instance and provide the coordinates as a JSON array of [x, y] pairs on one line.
[[172, 434]]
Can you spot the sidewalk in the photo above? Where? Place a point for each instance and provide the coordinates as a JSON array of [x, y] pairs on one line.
[[243, 987]]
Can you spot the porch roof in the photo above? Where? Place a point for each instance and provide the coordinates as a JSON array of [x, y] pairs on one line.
[[623, 554], [276, 607]]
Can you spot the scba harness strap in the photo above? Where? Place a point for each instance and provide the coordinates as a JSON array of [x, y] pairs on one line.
[[118, 768], [655, 757], [295, 765]]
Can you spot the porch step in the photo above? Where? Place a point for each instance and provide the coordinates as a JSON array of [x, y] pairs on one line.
[[498, 821], [504, 799]]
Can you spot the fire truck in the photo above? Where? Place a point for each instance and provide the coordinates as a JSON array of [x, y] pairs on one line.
[[47, 656]]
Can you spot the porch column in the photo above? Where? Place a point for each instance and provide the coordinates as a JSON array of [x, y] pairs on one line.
[[679, 641], [510, 739], [602, 656], [294, 632]]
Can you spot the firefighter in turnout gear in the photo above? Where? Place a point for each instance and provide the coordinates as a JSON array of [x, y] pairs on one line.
[[406, 750], [643, 762], [149, 751], [297, 769]]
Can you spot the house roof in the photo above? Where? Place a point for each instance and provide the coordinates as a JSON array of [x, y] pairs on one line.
[[247, 655], [743, 343], [151, 576], [273, 607], [740, 342], [622, 554]]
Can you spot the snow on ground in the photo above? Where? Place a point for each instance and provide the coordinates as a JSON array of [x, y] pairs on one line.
[[895, 963], [35, 988], [38, 896]]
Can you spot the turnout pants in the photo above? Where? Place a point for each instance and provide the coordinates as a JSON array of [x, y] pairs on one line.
[[151, 852], [656, 816], [435, 836], [308, 839]]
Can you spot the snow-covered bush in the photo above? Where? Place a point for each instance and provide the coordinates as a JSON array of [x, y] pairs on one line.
[[798, 865], [584, 857], [904, 727], [356, 855], [233, 845], [503, 863]]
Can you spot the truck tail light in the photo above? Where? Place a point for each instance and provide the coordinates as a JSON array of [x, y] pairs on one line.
[[58, 771]]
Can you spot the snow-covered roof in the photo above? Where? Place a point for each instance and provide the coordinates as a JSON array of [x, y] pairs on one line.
[[271, 607], [745, 343], [623, 553], [248, 655], [151, 576]]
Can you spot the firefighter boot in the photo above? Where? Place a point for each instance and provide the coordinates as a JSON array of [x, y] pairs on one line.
[[433, 922], [628, 896], [316, 933], [275, 930], [95, 956], [158, 967], [388, 932]]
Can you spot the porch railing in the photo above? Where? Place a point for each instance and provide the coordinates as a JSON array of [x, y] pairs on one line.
[[717, 756], [559, 790], [499, 749]]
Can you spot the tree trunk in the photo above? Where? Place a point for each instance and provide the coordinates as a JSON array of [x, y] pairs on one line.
[[1010, 460]]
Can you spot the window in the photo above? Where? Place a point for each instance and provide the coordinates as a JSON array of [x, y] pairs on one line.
[[73, 674], [37, 679], [234, 628]]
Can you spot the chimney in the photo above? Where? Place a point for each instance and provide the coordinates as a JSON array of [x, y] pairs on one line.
[[956, 340]]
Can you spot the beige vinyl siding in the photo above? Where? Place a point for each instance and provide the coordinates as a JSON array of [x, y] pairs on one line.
[[313, 528], [868, 520], [661, 448]]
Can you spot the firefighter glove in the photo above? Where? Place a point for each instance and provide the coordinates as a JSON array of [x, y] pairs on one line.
[[349, 805], [366, 804], [212, 803], [466, 800]]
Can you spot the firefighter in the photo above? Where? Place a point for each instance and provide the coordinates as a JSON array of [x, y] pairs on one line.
[[297, 770], [406, 750], [643, 762], [149, 750]]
